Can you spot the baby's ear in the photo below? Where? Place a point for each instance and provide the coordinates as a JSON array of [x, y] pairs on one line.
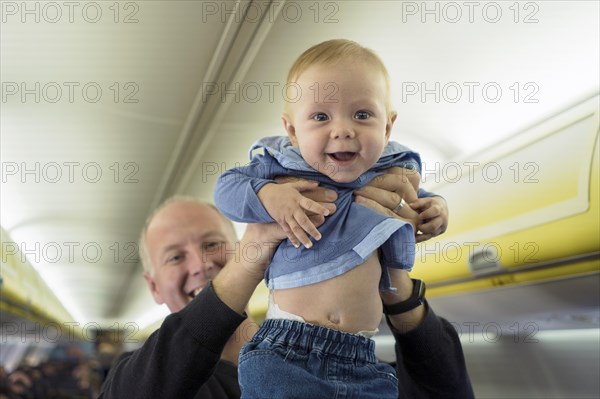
[[390, 124], [289, 128]]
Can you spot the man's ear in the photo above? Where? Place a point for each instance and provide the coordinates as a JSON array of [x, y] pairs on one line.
[[289, 128], [153, 289], [389, 125]]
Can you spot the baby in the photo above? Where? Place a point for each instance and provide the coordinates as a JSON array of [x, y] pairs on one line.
[[324, 304]]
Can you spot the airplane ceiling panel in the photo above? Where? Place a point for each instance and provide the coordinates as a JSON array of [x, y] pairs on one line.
[[124, 92], [93, 102], [459, 87]]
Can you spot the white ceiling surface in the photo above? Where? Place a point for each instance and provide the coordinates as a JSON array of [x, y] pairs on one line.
[[171, 141]]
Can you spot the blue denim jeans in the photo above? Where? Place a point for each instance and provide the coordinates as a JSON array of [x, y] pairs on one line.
[[291, 359]]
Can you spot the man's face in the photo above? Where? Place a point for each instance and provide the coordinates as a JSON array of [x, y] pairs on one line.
[[340, 122], [187, 245]]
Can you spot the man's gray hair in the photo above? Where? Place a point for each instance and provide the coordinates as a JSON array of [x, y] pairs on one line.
[[143, 249]]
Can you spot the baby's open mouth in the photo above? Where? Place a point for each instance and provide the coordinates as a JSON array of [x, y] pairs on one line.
[[342, 156]]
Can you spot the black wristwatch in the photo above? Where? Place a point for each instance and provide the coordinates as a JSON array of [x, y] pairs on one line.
[[417, 298]]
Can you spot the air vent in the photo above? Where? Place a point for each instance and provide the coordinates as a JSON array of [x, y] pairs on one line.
[[485, 260]]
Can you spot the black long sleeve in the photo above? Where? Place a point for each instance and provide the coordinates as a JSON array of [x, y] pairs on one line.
[[430, 361], [177, 360]]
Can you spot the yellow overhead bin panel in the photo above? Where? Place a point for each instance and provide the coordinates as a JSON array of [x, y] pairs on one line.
[[524, 210], [529, 203], [22, 290]]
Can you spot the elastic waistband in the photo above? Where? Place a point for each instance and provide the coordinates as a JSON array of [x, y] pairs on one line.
[[310, 337]]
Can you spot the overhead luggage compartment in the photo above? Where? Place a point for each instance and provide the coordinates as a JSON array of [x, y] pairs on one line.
[[525, 210]]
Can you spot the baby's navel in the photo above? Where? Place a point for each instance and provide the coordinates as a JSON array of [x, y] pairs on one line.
[[333, 318]]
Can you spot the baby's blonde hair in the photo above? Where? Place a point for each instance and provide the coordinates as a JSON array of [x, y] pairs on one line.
[[333, 51]]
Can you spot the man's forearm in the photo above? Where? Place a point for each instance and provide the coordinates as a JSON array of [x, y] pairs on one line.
[[237, 281], [176, 360], [430, 360], [407, 321], [234, 287]]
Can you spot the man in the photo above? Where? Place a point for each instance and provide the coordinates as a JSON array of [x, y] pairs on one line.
[[206, 280]]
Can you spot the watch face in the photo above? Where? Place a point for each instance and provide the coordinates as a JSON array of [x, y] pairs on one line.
[[421, 289], [416, 299]]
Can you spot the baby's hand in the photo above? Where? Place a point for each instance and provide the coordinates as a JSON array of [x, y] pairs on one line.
[[288, 207], [413, 177], [433, 217]]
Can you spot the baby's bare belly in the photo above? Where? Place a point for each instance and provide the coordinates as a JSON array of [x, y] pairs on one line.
[[349, 302]]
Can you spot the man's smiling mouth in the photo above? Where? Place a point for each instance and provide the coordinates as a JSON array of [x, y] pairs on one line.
[[195, 292]]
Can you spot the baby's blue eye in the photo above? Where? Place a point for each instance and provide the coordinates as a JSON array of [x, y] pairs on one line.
[[362, 115], [320, 117]]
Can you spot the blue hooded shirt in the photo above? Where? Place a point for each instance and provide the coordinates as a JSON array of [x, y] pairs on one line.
[[349, 236]]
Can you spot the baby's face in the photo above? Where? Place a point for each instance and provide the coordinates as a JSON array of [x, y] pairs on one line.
[[340, 122]]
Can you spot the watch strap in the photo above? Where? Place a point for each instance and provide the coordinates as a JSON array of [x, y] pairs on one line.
[[417, 298]]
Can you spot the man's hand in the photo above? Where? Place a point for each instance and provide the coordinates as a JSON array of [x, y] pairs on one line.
[[389, 189], [406, 213], [384, 193], [236, 282], [289, 208], [259, 243]]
